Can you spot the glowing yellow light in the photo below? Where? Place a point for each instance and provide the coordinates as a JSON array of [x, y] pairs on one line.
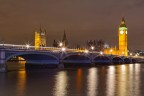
[[123, 53], [111, 50]]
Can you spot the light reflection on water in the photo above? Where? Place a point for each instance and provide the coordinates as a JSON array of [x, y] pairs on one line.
[[61, 84], [113, 80], [21, 83], [79, 79], [92, 81]]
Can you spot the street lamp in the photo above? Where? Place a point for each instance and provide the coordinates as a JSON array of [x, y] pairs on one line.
[[61, 65], [92, 55], [123, 53], [60, 44], [27, 46], [63, 49], [92, 47], [101, 53], [111, 51], [86, 51], [131, 54]]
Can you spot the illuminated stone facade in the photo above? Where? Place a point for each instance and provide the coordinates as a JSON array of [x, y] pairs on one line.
[[40, 39]]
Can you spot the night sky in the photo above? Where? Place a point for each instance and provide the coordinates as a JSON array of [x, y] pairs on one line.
[[82, 19]]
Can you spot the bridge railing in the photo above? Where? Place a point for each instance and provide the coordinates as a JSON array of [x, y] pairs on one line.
[[35, 48], [28, 47]]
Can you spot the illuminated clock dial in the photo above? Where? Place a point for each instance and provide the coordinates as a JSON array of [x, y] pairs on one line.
[[121, 32]]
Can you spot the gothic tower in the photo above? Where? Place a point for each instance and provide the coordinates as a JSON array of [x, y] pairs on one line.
[[37, 40], [64, 40], [43, 38], [122, 33], [40, 39]]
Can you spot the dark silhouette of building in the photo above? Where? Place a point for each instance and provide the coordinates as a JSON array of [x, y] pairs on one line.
[[55, 43], [97, 44], [64, 40]]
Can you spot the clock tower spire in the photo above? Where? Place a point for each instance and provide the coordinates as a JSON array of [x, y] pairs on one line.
[[122, 32]]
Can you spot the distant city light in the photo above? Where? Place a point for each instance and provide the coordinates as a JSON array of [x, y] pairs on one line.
[[131, 54], [92, 47]]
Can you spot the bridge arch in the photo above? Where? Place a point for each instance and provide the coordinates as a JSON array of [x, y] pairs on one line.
[[36, 58], [76, 58], [101, 59], [117, 60], [127, 60]]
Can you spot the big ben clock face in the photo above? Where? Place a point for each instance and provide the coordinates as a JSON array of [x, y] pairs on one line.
[[121, 32], [126, 32]]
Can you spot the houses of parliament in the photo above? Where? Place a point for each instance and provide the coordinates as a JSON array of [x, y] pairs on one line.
[[40, 41]]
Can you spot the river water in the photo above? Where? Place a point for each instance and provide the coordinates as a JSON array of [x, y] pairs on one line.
[[112, 80]]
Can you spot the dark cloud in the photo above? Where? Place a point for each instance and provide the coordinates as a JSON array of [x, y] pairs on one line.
[[82, 19]]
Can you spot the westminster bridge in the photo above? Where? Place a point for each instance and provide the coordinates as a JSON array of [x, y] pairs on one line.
[[57, 57]]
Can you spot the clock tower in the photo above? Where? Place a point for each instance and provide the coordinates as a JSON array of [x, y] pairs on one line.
[[122, 32]]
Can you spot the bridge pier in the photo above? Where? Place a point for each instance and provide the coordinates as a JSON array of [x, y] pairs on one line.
[[61, 64], [92, 63], [3, 66]]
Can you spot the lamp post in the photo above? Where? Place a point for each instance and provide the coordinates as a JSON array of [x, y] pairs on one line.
[[101, 53], [92, 57], [111, 51], [131, 54], [27, 46], [60, 44], [123, 53], [63, 49]]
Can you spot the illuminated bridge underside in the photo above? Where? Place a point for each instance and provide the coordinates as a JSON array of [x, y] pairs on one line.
[[56, 58], [77, 59], [34, 57], [102, 59]]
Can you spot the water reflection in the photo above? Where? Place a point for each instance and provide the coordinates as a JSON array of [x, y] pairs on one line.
[[128, 80], [92, 82], [111, 81], [21, 83], [114, 80], [122, 80], [61, 84], [79, 79], [136, 82]]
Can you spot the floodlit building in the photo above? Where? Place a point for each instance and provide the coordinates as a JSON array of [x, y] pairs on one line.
[[40, 38], [122, 41]]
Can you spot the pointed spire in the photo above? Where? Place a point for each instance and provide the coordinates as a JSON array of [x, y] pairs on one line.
[[45, 31], [122, 22], [64, 36], [40, 28], [64, 40]]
